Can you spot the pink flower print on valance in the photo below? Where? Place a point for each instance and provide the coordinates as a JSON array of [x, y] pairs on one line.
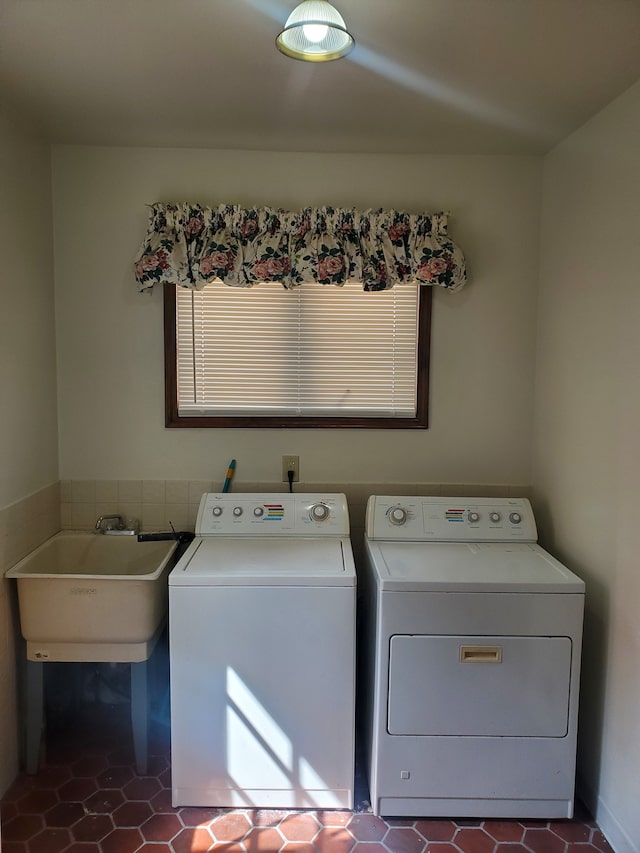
[[190, 245]]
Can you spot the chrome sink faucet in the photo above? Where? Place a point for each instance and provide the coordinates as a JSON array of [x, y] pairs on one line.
[[102, 528]]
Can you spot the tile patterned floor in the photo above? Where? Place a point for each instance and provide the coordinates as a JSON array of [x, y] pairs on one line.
[[87, 798]]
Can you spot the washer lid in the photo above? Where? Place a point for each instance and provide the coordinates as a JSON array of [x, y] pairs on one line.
[[265, 562], [470, 567]]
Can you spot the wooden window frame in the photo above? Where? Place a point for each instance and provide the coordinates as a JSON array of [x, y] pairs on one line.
[[174, 421]]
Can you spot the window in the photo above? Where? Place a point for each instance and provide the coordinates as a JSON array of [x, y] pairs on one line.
[[314, 356]]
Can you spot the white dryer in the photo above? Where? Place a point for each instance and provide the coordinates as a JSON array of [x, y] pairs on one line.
[[471, 661], [262, 653]]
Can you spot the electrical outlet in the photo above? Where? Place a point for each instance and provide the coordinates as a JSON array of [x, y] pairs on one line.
[[290, 463]]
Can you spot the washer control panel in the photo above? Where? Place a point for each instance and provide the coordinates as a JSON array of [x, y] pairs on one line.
[[440, 519], [225, 514]]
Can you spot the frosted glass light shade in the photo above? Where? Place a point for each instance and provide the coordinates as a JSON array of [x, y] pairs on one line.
[[315, 32]]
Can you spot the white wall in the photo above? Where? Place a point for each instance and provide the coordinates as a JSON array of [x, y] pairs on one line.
[[110, 337], [28, 425], [587, 427]]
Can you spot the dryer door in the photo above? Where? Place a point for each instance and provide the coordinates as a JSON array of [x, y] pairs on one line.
[[479, 686]]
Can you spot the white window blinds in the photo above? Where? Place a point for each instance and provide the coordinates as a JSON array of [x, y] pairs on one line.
[[315, 350]]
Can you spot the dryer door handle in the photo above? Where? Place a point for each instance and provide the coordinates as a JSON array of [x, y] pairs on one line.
[[480, 654]]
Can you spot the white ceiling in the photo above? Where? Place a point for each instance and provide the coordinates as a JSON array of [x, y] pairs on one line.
[[426, 76]]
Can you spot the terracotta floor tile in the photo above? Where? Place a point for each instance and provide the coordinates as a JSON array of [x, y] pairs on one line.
[[440, 847], [198, 816], [437, 830], [230, 827], [104, 802], [299, 827], [162, 801], [263, 840], [329, 818], [543, 841], [83, 847], [400, 840], [50, 841], [474, 840], [92, 827], [64, 814], [155, 847], [265, 817], [77, 790], [334, 840], [142, 788], [196, 840], [600, 842], [367, 827], [369, 847], [37, 802], [512, 847], [569, 830], [504, 830], [53, 777], [22, 828], [161, 827], [131, 814], [14, 847], [299, 847], [114, 777], [122, 841]]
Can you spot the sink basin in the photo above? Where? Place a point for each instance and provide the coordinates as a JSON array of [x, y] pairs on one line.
[[89, 597]]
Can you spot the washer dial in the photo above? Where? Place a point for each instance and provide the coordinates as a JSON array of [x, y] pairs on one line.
[[397, 515], [494, 517], [515, 517], [258, 511], [473, 517], [319, 512], [237, 511], [217, 511]]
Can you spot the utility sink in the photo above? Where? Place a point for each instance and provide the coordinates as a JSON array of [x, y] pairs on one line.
[[90, 597]]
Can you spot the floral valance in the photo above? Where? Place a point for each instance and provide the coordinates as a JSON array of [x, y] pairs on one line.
[[190, 245]]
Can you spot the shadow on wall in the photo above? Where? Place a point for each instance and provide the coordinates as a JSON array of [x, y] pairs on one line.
[[595, 652]]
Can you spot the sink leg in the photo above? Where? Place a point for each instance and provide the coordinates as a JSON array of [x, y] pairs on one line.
[[140, 715], [35, 714]]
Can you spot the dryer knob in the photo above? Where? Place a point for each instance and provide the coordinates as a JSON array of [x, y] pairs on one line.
[[217, 511], [473, 517], [397, 515], [515, 517], [319, 512], [237, 511], [495, 517], [258, 511]]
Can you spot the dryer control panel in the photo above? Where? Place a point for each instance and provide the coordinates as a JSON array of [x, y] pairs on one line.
[[438, 519], [251, 514]]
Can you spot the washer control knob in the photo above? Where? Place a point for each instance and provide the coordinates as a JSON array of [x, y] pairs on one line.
[[319, 512], [473, 517], [397, 515], [515, 517], [258, 511], [495, 517], [237, 511], [217, 511]]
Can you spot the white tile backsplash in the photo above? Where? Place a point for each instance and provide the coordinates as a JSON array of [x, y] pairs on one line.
[[155, 503]]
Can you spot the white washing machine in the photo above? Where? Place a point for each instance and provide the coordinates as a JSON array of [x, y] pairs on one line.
[[471, 661], [262, 653]]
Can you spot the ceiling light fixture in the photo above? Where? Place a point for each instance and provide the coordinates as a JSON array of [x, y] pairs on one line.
[[315, 32]]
